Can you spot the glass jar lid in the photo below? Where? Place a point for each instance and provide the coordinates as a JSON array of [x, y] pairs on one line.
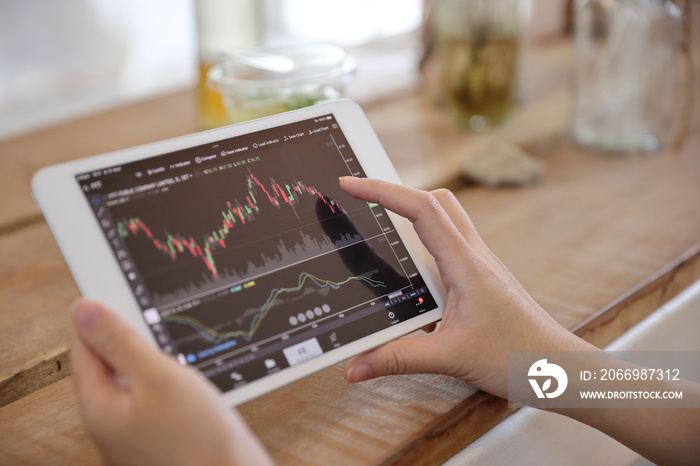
[[282, 67]]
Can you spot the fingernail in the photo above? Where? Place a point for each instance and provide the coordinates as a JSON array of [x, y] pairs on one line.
[[85, 314], [359, 373]]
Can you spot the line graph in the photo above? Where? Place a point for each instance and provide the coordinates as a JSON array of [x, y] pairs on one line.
[[218, 337], [235, 214]]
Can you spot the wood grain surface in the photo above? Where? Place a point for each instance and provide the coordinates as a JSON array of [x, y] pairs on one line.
[[43, 428], [35, 285]]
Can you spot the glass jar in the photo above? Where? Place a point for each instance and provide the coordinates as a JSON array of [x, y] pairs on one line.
[[262, 82], [476, 44], [626, 54]]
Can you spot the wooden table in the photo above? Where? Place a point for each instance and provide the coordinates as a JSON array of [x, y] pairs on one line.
[[600, 242]]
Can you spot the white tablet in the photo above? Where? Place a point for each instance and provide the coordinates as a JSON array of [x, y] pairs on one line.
[[236, 251]]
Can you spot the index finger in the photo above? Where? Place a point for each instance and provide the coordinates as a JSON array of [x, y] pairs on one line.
[[434, 227]]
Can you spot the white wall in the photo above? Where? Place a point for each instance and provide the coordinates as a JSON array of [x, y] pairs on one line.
[[64, 58]]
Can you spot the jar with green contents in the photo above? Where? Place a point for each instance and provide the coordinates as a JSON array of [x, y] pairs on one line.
[[262, 82], [476, 51]]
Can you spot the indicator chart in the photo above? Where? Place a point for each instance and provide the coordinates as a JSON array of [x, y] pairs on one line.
[[260, 314], [290, 299]]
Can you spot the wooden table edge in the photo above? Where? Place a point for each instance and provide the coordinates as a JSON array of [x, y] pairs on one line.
[[36, 374], [632, 307]]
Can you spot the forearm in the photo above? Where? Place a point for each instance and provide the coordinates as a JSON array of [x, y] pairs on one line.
[[663, 435]]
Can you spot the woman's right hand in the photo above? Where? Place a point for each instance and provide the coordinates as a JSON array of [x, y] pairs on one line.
[[487, 312]]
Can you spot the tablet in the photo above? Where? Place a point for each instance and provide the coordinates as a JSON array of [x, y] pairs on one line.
[[236, 251]]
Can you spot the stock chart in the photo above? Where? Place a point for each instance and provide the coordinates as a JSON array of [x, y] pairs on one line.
[[234, 257]]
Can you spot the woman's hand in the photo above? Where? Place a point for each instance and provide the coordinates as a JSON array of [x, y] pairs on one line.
[[487, 311], [142, 407], [487, 314]]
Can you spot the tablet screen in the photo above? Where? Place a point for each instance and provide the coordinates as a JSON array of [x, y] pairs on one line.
[[247, 258]]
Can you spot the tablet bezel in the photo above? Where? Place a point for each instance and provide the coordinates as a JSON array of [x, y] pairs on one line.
[[99, 277]]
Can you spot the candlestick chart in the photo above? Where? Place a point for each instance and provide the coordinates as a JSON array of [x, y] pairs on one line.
[[175, 245], [261, 226]]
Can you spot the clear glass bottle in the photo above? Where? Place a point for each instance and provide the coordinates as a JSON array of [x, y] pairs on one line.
[[626, 54]]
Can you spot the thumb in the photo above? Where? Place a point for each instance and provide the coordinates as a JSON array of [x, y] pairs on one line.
[[110, 339], [413, 355]]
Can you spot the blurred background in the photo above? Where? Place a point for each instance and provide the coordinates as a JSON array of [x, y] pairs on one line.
[[62, 59]]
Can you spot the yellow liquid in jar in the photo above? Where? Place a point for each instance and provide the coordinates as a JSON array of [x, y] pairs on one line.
[[212, 112]]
